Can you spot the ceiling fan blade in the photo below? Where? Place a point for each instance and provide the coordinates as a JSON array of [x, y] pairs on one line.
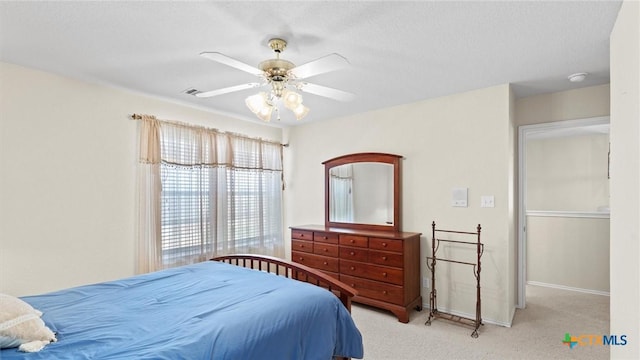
[[322, 65], [226, 90], [224, 59], [325, 91]]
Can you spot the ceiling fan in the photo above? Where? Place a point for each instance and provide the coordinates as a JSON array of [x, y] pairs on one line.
[[284, 78]]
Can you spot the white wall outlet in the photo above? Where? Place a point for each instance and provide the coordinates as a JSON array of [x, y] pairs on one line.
[[487, 201], [426, 283]]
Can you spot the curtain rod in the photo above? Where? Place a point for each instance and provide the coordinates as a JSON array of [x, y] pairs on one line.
[[140, 116]]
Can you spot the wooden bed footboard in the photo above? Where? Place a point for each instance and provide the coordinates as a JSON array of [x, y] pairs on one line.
[[294, 271]]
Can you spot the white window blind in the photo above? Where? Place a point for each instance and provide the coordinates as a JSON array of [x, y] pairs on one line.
[[220, 194]]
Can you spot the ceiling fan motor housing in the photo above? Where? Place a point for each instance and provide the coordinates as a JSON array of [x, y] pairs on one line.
[[276, 69], [277, 73]]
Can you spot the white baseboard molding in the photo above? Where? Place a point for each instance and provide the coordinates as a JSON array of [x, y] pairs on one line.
[[425, 307], [588, 291], [513, 314]]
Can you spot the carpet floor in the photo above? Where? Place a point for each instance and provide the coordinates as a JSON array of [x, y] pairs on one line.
[[537, 331]]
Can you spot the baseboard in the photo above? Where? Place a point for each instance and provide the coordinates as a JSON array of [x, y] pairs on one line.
[[513, 314], [562, 287], [469, 316]]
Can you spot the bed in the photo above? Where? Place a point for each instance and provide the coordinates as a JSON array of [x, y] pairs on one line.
[[234, 307]]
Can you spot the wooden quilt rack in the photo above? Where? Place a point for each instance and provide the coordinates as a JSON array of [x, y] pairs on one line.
[[431, 264]]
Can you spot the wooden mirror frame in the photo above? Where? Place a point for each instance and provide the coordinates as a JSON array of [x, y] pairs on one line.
[[366, 157]]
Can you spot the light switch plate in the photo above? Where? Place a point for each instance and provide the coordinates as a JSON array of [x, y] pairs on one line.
[[487, 201]]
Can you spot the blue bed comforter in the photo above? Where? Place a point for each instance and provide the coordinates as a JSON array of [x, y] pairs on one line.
[[209, 310]]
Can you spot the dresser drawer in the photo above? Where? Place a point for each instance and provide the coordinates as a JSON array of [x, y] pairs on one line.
[[375, 290], [385, 244], [354, 240], [303, 277], [372, 272], [325, 249], [316, 261], [355, 254], [385, 258], [325, 237], [302, 235], [301, 245]]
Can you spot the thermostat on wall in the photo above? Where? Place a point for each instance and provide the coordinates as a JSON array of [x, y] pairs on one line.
[[459, 197]]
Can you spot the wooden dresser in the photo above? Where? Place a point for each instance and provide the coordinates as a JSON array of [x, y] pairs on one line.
[[383, 266]]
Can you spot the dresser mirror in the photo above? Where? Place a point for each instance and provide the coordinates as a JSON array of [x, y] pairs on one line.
[[362, 191]]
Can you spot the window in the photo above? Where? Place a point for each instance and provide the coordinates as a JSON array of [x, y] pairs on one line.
[[341, 178], [218, 194]]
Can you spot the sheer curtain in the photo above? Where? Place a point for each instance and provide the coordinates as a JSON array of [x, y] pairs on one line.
[[341, 185], [205, 193]]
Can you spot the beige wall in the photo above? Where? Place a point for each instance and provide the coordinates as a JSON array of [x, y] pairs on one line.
[[464, 140], [580, 103], [625, 177], [67, 189], [568, 252], [568, 173]]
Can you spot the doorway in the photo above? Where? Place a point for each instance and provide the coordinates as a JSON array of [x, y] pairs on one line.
[[530, 133]]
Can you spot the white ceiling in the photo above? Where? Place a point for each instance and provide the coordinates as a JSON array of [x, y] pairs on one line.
[[400, 52]]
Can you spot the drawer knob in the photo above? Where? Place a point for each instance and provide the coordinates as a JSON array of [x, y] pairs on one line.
[[384, 258], [384, 244], [326, 263], [352, 241], [384, 274], [352, 268], [301, 259], [384, 292], [353, 285], [352, 253], [325, 237], [301, 235], [301, 245], [325, 249]]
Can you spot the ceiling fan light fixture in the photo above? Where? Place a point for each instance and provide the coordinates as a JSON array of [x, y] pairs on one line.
[[259, 105], [300, 111], [256, 102], [292, 99], [265, 113]]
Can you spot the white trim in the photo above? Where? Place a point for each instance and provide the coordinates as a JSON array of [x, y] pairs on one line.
[[569, 214], [566, 124], [569, 288], [521, 266], [523, 132]]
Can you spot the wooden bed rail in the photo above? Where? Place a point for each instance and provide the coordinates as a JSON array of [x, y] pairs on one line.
[[292, 270]]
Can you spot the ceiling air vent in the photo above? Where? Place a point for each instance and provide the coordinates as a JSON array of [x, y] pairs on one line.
[[191, 91]]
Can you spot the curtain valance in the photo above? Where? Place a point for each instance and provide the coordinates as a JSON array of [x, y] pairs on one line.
[[202, 147]]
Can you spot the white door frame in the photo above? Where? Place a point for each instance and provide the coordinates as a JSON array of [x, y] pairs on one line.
[[523, 132]]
